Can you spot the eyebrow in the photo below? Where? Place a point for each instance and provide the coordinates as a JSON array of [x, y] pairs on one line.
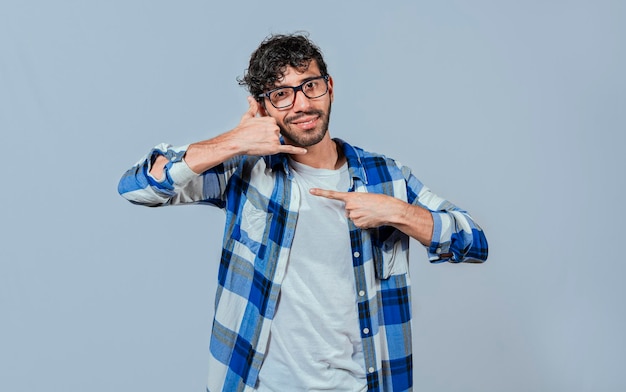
[[303, 80]]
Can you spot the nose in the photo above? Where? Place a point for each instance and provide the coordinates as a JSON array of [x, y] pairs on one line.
[[301, 102]]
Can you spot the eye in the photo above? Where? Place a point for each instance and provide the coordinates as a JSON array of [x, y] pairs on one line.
[[310, 85], [280, 94]]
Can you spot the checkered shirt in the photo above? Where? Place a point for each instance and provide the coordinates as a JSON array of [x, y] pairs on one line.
[[261, 205]]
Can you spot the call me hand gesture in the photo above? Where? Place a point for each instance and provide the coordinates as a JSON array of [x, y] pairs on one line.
[[259, 135], [256, 134]]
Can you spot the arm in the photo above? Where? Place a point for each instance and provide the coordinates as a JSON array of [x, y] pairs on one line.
[[171, 176], [370, 210], [456, 237], [449, 233]]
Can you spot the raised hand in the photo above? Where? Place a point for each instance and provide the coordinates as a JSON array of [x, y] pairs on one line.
[[255, 135], [259, 135]]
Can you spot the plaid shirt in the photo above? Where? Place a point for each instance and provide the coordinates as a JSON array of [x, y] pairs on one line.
[[261, 205]]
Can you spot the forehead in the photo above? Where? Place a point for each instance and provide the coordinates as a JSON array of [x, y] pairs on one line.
[[293, 76]]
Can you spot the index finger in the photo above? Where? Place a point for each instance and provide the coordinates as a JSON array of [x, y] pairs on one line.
[[335, 195]]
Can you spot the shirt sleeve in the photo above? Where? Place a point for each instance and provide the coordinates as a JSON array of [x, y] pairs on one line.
[[179, 185], [456, 236]]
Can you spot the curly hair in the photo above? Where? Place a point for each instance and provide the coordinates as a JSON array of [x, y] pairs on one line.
[[270, 60]]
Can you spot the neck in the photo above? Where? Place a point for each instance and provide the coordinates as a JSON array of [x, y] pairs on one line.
[[324, 155]]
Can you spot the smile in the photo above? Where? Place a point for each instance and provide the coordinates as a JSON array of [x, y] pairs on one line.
[[306, 123]]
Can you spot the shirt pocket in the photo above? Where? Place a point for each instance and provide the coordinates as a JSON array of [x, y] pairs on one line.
[[251, 230], [390, 250]]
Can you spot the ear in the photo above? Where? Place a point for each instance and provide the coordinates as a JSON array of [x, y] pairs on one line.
[[331, 90]]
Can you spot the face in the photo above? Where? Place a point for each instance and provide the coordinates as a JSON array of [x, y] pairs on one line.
[[305, 123]]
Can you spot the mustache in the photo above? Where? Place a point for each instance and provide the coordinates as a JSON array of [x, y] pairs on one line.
[[298, 116]]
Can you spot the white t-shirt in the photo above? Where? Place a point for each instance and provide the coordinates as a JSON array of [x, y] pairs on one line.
[[315, 342]]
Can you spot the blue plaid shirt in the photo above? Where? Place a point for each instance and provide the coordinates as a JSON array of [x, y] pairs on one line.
[[261, 205]]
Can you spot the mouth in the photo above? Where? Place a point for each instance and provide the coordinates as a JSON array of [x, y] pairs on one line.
[[305, 122]]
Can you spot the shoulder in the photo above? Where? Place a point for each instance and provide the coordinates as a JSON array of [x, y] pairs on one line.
[[379, 173]]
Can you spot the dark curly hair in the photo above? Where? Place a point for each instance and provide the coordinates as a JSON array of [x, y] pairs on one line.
[[270, 60]]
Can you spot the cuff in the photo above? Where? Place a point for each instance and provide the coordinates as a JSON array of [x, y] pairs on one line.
[[176, 172], [439, 249]]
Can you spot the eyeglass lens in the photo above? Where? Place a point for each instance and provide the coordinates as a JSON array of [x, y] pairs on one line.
[[313, 88]]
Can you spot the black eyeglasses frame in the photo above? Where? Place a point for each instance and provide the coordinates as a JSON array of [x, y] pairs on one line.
[[295, 91]]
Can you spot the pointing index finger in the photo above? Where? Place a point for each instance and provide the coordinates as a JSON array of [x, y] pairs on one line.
[[335, 195]]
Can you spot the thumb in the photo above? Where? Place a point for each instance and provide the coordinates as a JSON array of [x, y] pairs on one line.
[[253, 109]]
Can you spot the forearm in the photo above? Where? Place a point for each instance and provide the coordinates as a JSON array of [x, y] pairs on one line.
[[414, 221], [448, 235], [174, 183], [201, 156]]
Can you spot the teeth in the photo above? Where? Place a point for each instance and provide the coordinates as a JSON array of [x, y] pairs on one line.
[[305, 122]]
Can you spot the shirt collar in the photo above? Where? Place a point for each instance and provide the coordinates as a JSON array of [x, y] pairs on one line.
[[355, 166]]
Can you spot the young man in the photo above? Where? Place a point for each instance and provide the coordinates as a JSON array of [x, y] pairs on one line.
[[314, 292]]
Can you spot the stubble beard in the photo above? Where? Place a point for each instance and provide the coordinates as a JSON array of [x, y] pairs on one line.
[[311, 137]]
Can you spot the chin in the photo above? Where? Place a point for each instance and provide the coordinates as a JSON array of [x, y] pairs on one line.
[[307, 139]]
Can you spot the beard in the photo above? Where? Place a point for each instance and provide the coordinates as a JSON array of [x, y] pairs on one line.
[[310, 137]]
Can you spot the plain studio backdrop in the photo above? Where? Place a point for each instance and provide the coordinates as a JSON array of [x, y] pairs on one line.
[[513, 110]]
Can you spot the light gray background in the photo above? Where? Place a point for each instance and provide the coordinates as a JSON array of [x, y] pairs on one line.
[[513, 110]]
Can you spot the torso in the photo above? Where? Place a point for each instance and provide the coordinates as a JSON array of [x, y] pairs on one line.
[[315, 341]]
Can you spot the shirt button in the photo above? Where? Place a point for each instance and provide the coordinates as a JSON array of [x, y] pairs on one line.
[[362, 293], [371, 370], [366, 331], [357, 254]]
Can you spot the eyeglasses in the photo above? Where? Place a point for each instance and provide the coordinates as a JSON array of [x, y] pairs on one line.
[[284, 97]]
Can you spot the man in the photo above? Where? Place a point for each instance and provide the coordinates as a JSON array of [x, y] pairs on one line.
[[314, 292]]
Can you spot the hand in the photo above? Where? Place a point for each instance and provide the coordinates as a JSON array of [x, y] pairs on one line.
[[365, 210], [259, 135], [371, 210], [253, 136]]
